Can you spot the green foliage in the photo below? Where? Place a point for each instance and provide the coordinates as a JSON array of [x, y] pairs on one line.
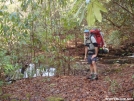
[[5, 96], [114, 38], [132, 76], [1, 12], [38, 31], [5, 63], [1, 84], [92, 11], [119, 17], [114, 86], [54, 99], [90, 16]]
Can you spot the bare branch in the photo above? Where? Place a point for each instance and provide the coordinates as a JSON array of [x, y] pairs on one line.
[[123, 8], [114, 24]]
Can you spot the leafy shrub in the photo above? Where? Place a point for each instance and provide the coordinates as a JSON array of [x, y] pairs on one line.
[[115, 38], [5, 65]]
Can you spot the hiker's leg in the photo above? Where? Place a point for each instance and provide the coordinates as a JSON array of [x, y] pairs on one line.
[[91, 69], [94, 66], [95, 76], [90, 64], [90, 76]]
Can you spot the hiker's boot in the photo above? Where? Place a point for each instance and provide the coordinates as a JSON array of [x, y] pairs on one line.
[[95, 77], [90, 77]]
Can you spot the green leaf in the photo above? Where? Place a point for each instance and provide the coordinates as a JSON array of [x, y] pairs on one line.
[[1, 12], [11, 1], [133, 77], [97, 12], [40, 1], [1, 83], [82, 16], [100, 6], [62, 2], [90, 16], [78, 11], [6, 28]]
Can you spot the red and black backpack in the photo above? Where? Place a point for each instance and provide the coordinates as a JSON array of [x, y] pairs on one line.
[[98, 37]]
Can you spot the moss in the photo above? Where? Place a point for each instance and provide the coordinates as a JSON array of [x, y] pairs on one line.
[[5, 96], [54, 99]]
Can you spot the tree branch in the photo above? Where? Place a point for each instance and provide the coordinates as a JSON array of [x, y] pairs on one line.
[[113, 23], [123, 8]]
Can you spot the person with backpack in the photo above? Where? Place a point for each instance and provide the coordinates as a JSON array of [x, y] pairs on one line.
[[99, 38], [91, 52]]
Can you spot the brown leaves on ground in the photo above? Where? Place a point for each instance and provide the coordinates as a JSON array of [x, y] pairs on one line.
[[111, 84]]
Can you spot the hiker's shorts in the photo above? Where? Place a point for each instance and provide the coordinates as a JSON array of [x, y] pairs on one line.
[[90, 60]]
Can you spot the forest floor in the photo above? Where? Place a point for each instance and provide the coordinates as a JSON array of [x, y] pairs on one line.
[[115, 83]]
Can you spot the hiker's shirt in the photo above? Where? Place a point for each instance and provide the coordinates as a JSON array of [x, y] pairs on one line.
[[91, 43]]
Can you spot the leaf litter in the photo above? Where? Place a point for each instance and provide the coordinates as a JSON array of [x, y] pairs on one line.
[[115, 84]]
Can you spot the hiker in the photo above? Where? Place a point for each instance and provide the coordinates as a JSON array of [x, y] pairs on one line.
[[91, 51]]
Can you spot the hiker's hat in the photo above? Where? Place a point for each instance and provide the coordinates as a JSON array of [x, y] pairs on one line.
[[86, 31]]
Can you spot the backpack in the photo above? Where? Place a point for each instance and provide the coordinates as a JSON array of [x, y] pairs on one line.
[[98, 37]]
